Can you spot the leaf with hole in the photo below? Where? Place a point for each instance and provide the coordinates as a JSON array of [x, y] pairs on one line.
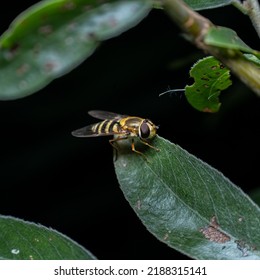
[[211, 77]]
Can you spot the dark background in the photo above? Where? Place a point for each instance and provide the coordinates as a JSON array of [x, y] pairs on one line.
[[49, 177]]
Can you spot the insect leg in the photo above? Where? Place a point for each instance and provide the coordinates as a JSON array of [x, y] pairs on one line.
[[138, 152], [149, 145], [111, 141]]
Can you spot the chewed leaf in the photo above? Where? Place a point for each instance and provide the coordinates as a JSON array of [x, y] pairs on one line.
[[211, 77], [53, 37], [187, 204]]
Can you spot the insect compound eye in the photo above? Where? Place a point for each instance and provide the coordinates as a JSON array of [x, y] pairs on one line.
[[144, 130]]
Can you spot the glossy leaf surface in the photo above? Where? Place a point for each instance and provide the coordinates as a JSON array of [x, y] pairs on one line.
[[20, 240], [187, 204]]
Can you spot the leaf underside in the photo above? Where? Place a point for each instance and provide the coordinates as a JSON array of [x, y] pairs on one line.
[[209, 4]]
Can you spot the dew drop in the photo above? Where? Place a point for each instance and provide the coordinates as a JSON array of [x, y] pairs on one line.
[[15, 251]]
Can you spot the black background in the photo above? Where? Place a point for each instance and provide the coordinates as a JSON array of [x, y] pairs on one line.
[[69, 184]]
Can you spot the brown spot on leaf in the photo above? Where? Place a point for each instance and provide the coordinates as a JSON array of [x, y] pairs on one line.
[[207, 110], [112, 22], [69, 5], [12, 51], [91, 36], [212, 232], [46, 29], [50, 66], [23, 69], [14, 48]]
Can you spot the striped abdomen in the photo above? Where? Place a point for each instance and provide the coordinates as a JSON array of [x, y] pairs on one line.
[[106, 127]]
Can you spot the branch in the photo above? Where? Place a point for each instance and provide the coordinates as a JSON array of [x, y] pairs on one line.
[[252, 9], [254, 13], [196, 27]]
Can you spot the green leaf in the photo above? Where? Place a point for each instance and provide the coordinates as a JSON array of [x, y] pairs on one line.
[[54, 36], [252, 58], [209, 4], [187, 204], [20, 240], [211, 77], [227, 38]]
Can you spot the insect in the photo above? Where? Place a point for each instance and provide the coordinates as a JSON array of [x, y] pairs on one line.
[[121, 127]]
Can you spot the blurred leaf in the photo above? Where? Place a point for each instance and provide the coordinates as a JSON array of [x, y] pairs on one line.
[[252, 58], [227, 38], [209, 4], [187, 204], [54, 36], [211, 77], [20, 240]]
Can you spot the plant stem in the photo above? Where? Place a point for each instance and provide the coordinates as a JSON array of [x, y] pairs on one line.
[[242, 8], [196, 27], [252, 9], [254, 13]]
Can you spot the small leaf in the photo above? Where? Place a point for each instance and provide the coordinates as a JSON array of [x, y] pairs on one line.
[[211, 77], [227, 38], [187, 204], [209, 4], [54, 36], [20, 240], [252, 58]]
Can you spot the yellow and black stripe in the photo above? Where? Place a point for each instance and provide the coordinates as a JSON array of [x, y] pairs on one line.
[[106, 127]]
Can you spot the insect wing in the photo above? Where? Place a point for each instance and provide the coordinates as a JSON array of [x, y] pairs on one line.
[[87, 131], [104, 115]]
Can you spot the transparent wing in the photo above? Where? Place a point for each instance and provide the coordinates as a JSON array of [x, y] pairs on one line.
[[87, 131], [104, 115]]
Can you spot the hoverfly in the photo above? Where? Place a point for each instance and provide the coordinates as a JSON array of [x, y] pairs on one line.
[[121, 127]]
